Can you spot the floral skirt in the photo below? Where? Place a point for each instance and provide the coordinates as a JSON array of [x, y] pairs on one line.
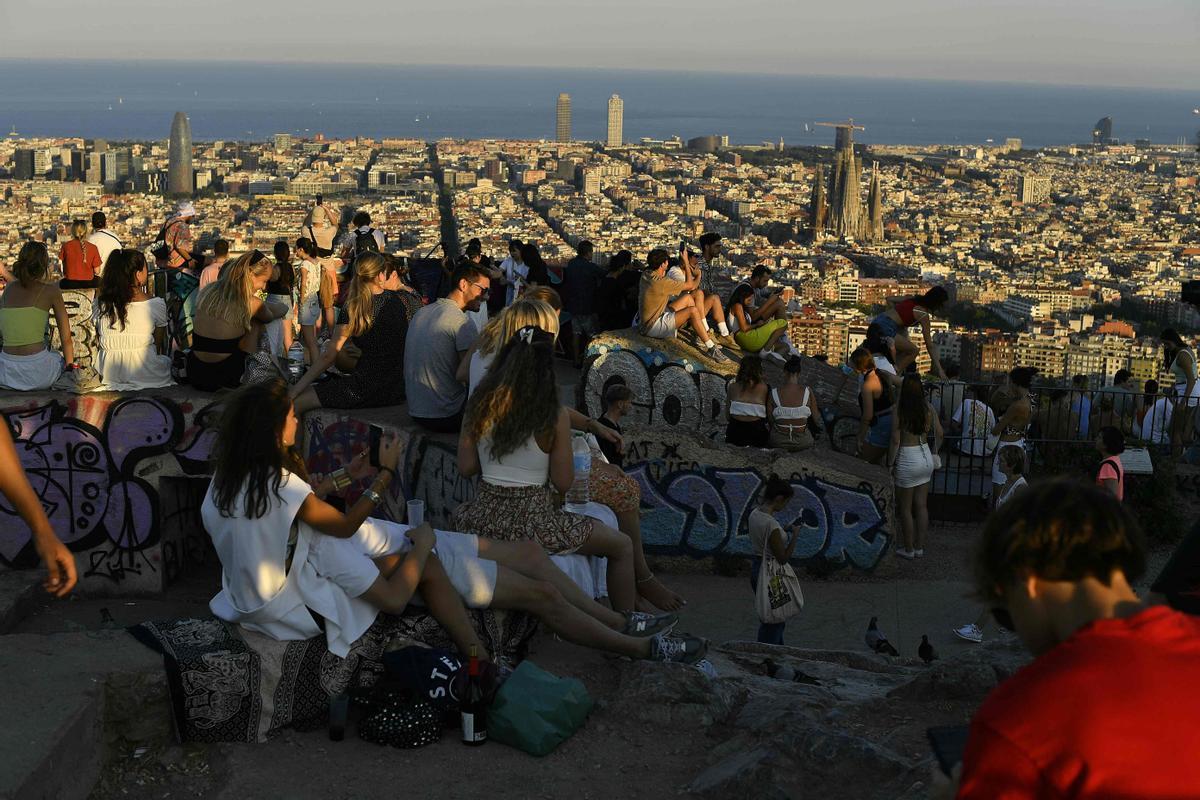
[[518, 513], [611, 487]]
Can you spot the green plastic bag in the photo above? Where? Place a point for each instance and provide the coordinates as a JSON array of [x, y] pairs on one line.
[[535, 711]]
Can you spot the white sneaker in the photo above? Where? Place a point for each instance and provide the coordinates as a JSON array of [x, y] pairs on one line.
[[907, 554], [780, 357], [919, 553], [970, 632]]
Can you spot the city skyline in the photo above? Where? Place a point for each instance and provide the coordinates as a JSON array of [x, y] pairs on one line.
[[1019, 41]]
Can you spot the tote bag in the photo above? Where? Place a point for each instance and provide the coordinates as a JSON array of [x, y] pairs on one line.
[[778, 597]]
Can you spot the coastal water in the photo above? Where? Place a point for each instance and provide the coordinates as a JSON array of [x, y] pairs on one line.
[[119, 100]]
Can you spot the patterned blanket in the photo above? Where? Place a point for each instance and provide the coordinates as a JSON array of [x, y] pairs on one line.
[[229, 684]]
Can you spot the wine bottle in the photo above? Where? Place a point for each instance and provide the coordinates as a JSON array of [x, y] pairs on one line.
[[472, 706]]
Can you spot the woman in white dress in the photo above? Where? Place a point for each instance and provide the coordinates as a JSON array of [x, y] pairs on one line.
[[131, 327]]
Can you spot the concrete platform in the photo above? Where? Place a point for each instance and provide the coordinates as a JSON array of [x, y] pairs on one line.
[[72, 695]]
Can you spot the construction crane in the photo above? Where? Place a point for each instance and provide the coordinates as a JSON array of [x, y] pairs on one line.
[[845, 132]]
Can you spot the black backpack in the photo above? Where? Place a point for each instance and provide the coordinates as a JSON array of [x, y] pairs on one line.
[[364, 242]]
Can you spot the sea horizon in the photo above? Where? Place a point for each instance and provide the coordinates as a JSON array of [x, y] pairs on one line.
[[254, 100]]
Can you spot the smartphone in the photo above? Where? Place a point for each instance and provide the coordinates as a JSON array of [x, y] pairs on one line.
[[375, 437], [949, 742]]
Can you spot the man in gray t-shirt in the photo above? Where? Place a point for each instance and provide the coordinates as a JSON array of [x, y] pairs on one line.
[[439, 335]]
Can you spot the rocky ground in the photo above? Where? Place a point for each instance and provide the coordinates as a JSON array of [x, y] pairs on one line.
[[858, 730]]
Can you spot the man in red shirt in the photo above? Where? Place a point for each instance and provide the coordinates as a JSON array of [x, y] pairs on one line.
[[1108, 708]]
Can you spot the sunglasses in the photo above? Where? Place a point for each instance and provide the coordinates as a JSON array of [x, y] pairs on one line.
[[482, 289], [1003, 618], [256, 257]]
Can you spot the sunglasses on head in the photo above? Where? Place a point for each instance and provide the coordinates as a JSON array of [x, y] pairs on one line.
[[257, 256]]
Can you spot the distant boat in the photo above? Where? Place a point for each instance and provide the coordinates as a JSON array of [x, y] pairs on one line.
[[120, 101], [110, 108]]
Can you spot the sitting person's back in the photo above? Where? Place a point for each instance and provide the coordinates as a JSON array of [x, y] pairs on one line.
[[26, 363], [1108, 707], [130, 326]]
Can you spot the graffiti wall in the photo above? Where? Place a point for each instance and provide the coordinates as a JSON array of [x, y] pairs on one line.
[[697, 498], [676, 388], [98, 463], [83, 330]]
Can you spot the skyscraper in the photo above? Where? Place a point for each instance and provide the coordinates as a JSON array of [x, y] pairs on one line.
[[562, 128], [616, 121], [179, 156], [1102, 131]]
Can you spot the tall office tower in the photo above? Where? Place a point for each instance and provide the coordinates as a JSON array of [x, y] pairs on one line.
[[1102, 131], [616, 121], [818, 208], [283, 142], [562, 116], [179, 156], [23, 164], [874, 227]]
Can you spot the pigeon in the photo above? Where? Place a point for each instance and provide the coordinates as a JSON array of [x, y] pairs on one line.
[[926, 651], [877, 641]]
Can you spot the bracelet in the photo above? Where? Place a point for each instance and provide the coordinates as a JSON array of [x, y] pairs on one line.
[[341, 479], [373, 496], [388, 470]]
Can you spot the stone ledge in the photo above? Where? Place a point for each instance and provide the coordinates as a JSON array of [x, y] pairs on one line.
[[78, 693], [17, 593], [676, 385]]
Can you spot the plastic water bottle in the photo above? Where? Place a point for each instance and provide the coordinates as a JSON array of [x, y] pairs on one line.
[[581, 456], [295, 356]]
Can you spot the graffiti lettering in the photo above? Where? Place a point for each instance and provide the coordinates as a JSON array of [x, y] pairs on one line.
[[436, 480], [704, 510]]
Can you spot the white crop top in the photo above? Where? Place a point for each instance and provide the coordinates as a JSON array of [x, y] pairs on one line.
[[737, 408], [526, 466], [781, 412]]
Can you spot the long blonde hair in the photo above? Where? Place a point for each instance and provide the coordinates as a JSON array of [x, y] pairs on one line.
[[360, 301], [500, 328], [230, 297]]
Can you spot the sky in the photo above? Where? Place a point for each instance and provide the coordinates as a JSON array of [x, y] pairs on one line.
[[1143, 43]]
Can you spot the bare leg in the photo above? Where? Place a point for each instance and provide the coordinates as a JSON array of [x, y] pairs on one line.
[[517, 592], [773, 341], [308, 335], [648, 586], [921, 514], [616, 547], [446, 606], [904, 507], [529, 560], [906, 352], [870, 453]]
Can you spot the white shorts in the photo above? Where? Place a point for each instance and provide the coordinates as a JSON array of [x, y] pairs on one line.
[[30, 373], [663, 327], [347, 562]]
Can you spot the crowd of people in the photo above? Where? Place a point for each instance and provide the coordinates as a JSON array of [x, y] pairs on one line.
[[1056, 561]]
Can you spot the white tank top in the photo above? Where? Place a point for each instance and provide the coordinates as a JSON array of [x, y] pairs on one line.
[[781, 412], [526, 466]]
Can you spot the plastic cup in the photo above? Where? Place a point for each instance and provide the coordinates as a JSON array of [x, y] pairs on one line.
[[416, 512]]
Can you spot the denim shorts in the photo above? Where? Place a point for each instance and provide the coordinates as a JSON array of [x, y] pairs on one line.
[[880, 433], [887, 325]]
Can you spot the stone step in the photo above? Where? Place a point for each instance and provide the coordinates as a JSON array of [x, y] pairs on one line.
[[76, 694]]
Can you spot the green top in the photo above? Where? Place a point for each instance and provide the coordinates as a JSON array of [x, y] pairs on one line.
[[1182, 372], [23, 326]]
